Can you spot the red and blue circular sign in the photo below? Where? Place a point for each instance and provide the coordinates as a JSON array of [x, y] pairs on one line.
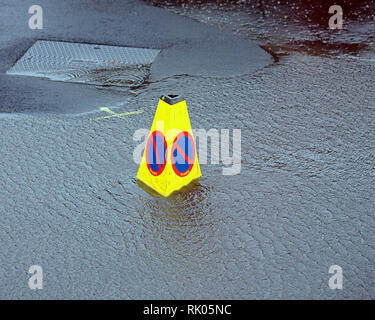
[[156, 153], [183, 154]]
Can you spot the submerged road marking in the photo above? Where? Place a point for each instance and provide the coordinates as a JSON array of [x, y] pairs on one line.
[[116, 115]]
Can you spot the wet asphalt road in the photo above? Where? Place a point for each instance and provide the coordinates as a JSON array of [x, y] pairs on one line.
[[304, 199], [187, 47]]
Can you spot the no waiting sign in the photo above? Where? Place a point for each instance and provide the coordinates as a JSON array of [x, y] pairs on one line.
[[169, 161], [156, 150], [183, 154]]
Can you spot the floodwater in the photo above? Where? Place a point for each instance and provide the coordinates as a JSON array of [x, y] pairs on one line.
[[303, 201]]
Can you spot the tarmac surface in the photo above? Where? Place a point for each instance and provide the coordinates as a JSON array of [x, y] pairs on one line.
[[304, 199]]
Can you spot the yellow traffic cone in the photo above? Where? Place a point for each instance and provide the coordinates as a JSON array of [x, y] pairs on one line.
[[170, 159]]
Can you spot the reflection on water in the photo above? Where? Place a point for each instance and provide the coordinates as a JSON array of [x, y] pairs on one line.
[[177, 226], [186, 200]]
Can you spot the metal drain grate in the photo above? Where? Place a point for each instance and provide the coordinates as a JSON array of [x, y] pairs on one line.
[[88, 63]]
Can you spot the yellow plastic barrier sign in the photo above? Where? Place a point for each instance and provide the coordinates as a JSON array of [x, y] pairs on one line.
[[170, 159]]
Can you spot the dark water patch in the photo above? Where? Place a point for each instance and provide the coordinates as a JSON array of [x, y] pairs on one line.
[[315, 48], [312, 10], [40, 96], [282, 27]]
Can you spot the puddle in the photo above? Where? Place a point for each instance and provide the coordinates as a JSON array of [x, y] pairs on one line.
[[284, 27], [315, 48]]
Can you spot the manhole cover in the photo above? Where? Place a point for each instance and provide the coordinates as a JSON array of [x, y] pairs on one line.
[[88, 63]]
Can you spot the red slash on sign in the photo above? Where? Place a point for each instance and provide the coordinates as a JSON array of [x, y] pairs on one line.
[[156, 153], [183, 154]]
